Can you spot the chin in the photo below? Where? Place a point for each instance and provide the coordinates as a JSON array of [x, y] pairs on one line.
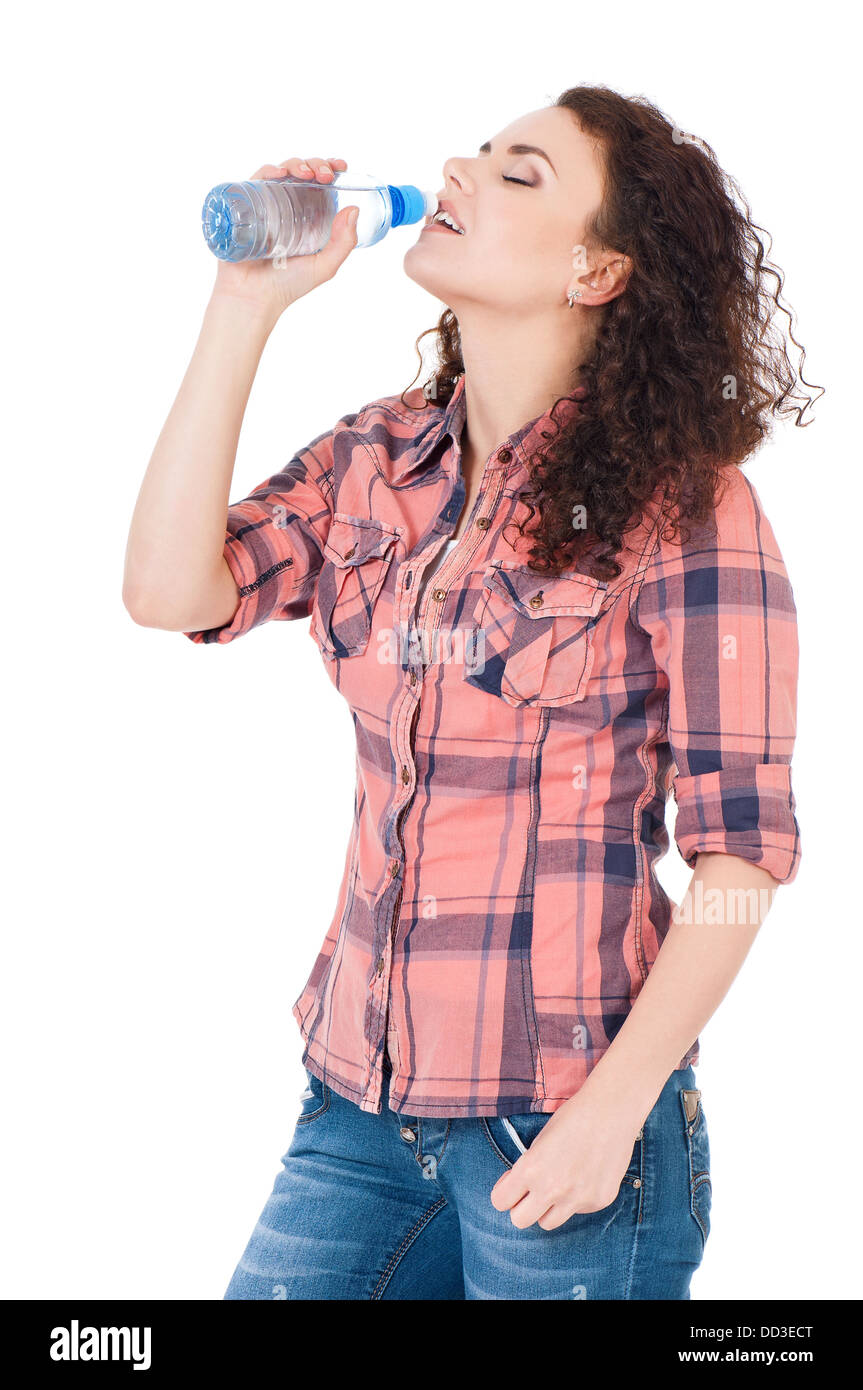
[[418, 267]]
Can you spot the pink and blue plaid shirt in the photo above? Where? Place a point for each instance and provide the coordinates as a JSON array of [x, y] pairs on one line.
[[517, 739]]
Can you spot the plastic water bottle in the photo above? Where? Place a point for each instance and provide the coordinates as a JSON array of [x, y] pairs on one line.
[[263, 219]]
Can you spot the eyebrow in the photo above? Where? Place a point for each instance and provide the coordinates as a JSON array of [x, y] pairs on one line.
[[520, 149]]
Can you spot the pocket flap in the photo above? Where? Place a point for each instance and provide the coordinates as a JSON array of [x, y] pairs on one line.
[[353, 540], [546, 596]]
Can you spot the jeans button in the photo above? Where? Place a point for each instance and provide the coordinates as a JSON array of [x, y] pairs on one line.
[[408, 1134]]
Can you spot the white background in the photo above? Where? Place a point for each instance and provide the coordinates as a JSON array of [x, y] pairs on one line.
[[177, 814]]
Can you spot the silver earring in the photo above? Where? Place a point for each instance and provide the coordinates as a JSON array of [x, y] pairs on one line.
[[573, 296]]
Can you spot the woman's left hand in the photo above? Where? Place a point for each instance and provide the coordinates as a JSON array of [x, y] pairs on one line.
[[575, 1164]]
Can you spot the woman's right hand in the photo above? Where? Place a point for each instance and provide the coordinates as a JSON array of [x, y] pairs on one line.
[[273, 286]]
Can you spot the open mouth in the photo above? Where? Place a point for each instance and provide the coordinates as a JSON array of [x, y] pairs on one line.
[[447, 222]]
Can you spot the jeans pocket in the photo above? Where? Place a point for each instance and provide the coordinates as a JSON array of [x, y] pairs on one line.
[[315, 1099], [512, 1135], [698, 1150]]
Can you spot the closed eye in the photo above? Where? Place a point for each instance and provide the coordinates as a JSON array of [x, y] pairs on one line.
[[507, 178]]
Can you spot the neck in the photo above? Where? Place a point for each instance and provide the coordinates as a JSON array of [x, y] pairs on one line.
[[514, 372]]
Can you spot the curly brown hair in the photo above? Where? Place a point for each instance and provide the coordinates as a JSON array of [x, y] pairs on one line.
[[687, 364]]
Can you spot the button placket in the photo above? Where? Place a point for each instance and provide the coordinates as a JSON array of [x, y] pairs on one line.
[[490, 489], [394, 868]]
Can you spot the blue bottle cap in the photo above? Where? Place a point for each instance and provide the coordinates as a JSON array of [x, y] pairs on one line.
[[410, 204]]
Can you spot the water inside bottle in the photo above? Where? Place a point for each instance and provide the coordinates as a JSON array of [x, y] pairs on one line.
[[262, 219]]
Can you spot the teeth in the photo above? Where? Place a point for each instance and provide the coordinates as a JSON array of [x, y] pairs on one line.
[[450, 221]]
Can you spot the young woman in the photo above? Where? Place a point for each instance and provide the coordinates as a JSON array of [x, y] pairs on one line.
[[549, 595]]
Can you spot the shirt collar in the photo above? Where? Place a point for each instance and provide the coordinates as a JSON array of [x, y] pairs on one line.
[[448, 420], [522, 443]]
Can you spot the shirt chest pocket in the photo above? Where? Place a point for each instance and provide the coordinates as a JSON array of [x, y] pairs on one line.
[[532, 638], [356, 557]]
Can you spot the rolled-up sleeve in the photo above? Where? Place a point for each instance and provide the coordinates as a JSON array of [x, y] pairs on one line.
[[720, 613], [274, 539]]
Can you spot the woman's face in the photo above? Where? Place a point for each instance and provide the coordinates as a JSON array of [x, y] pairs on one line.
[[522, 214]]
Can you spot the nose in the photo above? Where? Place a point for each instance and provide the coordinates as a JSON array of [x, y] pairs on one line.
[[455, 173]]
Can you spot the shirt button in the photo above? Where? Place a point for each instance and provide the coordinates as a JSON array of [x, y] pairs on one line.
[[413, 677], [536, 601], [483, 523], [439, 595], [406, 776], [504, 455], [409, 1135], [380, 965], [351, 552], [394, 868]]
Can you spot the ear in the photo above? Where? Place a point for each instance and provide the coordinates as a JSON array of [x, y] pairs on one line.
[[600, 280]]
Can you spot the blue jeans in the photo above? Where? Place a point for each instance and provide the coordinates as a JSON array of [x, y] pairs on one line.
[[395, 1206]]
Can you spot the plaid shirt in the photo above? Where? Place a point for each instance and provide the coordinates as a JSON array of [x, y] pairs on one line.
[[517, 737]]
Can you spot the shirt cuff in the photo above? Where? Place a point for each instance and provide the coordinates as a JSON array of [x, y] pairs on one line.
[[747, 811], [241, 563]]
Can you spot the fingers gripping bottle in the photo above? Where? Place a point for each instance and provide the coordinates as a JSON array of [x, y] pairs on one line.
[[263, 219]]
